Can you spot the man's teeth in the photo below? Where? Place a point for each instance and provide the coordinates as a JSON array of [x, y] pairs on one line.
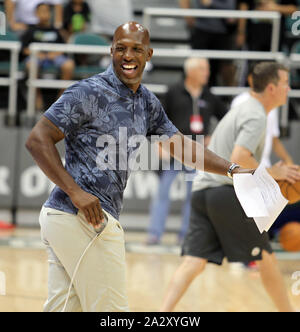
[[129, 67]]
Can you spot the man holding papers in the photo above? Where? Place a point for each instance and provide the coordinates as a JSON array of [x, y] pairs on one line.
[[219, 226]]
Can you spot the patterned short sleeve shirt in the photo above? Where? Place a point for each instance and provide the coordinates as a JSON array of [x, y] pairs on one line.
[[97, 110]]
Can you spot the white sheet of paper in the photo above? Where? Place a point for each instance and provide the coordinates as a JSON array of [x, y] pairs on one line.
[[249, 195], [260, 197]]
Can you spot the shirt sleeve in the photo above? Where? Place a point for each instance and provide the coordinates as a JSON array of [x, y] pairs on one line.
[[68, 112], [159, 124], [251, 133]]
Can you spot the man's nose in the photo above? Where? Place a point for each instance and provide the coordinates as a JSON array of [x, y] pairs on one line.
[[128, 55]]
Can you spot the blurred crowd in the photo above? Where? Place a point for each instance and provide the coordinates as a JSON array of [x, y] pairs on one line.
[[64, 21], [69, 17]]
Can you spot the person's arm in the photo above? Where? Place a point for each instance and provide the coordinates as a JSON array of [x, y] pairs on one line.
[[242, 156], [41, 144], [282, 9], [58, 16], [219, 4], [10, 12], [193, 154], [281, 152], [242, 26], [185, 4]]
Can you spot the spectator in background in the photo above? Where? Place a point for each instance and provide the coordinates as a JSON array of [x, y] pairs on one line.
[[21, 14], [76, 16], [250, 31], [44, 32], [213, 34], [190, 106]]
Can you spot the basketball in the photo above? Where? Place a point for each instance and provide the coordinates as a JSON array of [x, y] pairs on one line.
[[289, 236], [290, 191]]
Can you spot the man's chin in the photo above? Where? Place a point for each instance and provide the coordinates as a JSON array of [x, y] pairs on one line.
[[130, 80]]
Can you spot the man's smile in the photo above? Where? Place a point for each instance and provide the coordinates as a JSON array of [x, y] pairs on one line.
[[129, 69]]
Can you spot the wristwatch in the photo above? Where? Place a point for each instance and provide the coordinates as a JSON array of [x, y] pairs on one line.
[[231, 168]]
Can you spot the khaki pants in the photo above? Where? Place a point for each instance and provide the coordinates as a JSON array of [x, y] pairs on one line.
[[99, 284]]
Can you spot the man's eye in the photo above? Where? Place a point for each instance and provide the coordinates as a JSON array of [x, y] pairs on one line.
[[119, 49]]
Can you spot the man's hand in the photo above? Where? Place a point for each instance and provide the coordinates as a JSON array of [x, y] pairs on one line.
[[282, 171], [90, 206], [17, 26], [269, 6]]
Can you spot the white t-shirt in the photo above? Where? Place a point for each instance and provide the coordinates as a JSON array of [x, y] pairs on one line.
[[25, 10], [107, 15], [271, 131]]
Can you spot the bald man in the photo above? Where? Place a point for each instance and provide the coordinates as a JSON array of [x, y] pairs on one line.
[[97, 117]]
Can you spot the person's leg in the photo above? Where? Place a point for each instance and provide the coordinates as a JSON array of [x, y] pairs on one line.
[[99, 282], [200, 245], [189, 269], [66, 67], [160, 205], [186, 211], [273, 281], [58, 285], [39, 102]]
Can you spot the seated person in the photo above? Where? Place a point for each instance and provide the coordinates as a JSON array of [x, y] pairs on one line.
[[43, 32], [76, 16]]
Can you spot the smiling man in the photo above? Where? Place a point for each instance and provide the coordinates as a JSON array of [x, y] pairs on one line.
[[131, 54], [86, 194]]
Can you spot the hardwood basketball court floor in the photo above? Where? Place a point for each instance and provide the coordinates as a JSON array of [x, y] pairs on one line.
[[229, 288]]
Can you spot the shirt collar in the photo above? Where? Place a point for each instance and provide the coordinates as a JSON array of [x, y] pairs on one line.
[[122, 89]]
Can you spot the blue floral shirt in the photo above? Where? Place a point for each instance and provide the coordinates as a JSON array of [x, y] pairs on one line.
[[85, 113]]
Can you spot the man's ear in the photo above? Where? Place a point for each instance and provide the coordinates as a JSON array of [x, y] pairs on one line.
[[272, 88], [149, 55], [111, 51]]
